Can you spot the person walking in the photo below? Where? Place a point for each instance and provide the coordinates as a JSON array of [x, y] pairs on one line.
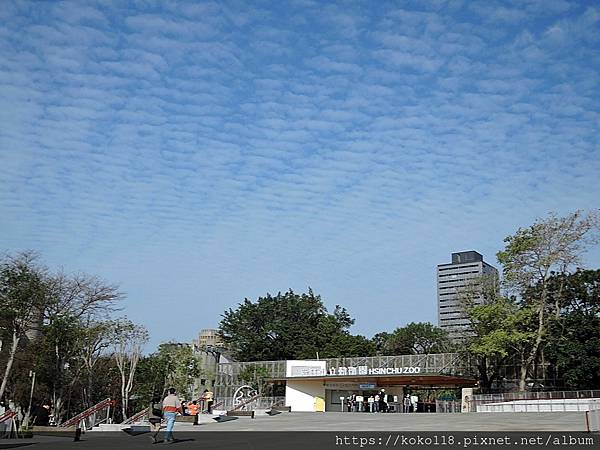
[[170, 407]]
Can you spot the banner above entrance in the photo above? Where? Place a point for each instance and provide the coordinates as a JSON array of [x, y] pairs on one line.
[[318, 368]]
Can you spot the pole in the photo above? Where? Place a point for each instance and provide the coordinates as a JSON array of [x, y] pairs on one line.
[[32, 376]]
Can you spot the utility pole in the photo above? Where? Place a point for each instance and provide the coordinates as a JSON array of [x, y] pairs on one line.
[[32, 376]]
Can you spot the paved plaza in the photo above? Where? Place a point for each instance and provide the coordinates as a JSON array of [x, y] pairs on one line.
[[238, 433], [337, 421]]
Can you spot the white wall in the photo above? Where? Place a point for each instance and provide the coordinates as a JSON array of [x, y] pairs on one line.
[[300, 395], [593, 420], [305, 368]]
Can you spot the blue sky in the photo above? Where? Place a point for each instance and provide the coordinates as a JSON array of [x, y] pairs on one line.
[[198, 153]]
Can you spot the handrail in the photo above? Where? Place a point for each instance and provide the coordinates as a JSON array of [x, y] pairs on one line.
[[137, 416], [7, 415], [87, 413], [250, 400], [279, 402], [217, 404]]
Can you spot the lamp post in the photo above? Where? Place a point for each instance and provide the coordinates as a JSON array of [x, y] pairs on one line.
[[32, 376]]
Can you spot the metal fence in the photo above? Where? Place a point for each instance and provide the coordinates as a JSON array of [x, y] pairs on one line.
[[447, 406], [259, 403]]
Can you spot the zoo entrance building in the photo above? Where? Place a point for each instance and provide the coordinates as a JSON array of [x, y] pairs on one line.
[[320, 385]]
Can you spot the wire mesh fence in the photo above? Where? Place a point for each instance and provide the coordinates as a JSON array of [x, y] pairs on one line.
[[227, 403]]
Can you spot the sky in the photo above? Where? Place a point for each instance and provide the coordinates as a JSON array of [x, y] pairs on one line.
[[200, 153]]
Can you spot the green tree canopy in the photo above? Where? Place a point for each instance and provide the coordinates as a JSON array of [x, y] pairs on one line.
[[574, 339], [532, 256], [290, 326], [416, 338], [23, 296]]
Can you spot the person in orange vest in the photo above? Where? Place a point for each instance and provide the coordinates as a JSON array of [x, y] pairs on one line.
[[171, 406], [193, 409]]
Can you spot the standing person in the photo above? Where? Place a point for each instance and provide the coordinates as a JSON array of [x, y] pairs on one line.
[[406, 403], [376, 403], [155, 416], [170, 407], [42, 415], [366, 405], [382, 403], [208, 398], [193, 408]]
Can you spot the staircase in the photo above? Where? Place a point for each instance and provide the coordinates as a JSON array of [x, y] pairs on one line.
[[104, 405], [140, 415], [7, 416]]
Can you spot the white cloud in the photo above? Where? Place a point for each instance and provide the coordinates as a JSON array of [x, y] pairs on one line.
[[226, 150]]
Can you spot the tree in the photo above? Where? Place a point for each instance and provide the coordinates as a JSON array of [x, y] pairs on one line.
[[379, 341], [532, 256], [127, 341], [488, 339], [82, 296], [417, 339], [57, 361], [256, 377], [574, 341], [95, 340], [182, 367], [288, 326], [23, 295], [54, 324], [500, 330]]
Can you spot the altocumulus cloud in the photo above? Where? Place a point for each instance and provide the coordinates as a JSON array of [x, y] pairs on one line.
[[201, 153]]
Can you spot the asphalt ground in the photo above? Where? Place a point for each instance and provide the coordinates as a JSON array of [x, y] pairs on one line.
[[314, 431]]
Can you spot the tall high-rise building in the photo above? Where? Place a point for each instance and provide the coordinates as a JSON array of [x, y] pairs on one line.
[[453, 277]]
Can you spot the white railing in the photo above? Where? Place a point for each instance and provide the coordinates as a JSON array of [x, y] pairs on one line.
[[553, 405], [510, 396], [447, 406], [480, 400]]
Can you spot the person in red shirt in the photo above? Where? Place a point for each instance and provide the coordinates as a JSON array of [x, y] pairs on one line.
[[171, 406]]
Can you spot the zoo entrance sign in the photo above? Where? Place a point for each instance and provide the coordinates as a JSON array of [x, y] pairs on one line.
[[319, 369], [364, 370]]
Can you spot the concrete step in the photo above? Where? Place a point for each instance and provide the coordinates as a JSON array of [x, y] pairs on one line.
[[109, 427]]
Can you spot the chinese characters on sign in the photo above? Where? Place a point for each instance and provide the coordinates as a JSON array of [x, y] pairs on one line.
[[364, 370], [313, 371], [308, 371]]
